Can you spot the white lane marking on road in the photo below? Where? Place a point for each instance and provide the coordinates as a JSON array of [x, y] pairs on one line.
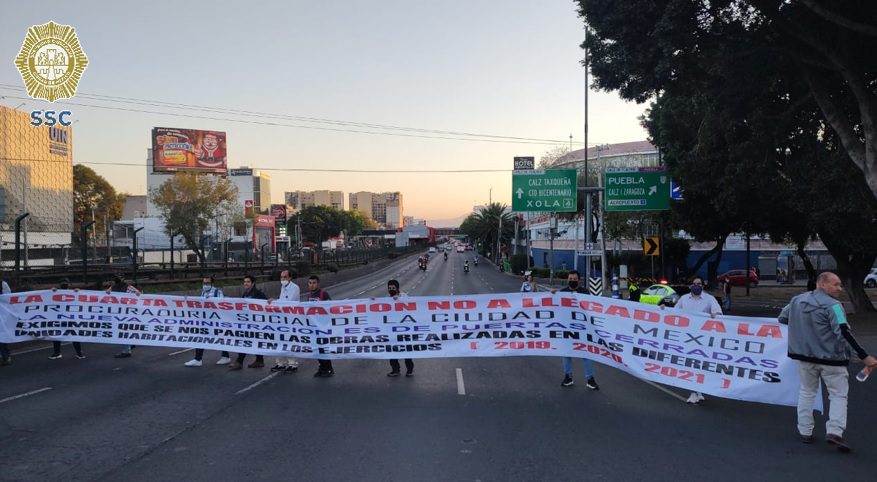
[[16, 397], [181, 351], [668, 392], [461, 387], [34, 349], [243, 390]]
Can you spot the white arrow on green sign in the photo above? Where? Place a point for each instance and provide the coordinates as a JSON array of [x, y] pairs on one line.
[[550, 190], [643, 189]]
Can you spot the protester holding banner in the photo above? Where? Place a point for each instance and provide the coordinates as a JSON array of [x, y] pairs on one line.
[[289, 291], [701, 302], [119, 285], [820, 340], [572, 281], [56, 345], [208, 291], [250, 291], [529, 286], [315, 293], [5, 356], [393, 290]]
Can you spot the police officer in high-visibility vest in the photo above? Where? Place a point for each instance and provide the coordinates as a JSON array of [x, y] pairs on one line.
[[633, 291]]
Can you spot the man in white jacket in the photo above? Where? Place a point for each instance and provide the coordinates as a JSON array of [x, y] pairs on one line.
[[289, 291]]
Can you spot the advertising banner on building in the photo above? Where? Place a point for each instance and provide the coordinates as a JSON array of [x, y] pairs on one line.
[[279, 213], [181, 150]]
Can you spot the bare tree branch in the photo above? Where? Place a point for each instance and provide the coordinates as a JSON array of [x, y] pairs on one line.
[[839, 19]]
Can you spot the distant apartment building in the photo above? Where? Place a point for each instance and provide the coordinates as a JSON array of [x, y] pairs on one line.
[[299, 200], [253, 186], [384, 208], [36, 178]]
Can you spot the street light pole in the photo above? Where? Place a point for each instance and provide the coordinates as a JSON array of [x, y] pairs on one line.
[[83, 236], [134, 258], [18, 221]]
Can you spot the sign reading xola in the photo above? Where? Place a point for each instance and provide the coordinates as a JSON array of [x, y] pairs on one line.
[[550, 190]]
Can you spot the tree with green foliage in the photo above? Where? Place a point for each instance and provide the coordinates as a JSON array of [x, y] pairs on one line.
[[320, 223], [643, 47], [482, 227], [94, 198], [188, 203], [739, 131]]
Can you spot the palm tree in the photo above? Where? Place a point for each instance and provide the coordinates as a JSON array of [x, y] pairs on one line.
[[482, 227]]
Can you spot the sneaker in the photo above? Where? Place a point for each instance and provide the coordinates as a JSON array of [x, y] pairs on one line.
[[409, 374], [80, 356], [567, 381], [290, 369], [223, 361], [592, 384], [700, 397], [393, 374], [694, 398], [838, 442], [122, 355], [322, 374], [256, 364], [193, 363], [807, 439], [234, 366], [278, 368], [55, 356]]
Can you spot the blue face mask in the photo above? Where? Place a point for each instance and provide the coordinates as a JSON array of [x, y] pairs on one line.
[[696, 289]]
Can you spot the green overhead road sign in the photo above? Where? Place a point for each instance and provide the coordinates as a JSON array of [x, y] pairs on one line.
[[643, 189], [550, 190]]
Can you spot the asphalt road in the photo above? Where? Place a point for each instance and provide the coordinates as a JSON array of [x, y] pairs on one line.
[[149, 418]]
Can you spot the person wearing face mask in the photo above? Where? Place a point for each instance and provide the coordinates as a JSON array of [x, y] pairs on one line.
[[701, 302], [529, 286], [393, 290], [289, 291], [208, 291], [572, 281]]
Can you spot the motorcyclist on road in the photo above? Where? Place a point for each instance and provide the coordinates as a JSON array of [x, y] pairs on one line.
[[446, 255], [466, 266]]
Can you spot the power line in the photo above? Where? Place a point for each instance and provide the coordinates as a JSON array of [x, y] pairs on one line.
[[290, 169], [472, 137]]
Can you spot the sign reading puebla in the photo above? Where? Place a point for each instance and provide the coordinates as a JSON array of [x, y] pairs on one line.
[[51, 61]]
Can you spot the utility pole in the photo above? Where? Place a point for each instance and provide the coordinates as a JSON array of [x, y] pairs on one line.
[[84, 237], [585, 150]]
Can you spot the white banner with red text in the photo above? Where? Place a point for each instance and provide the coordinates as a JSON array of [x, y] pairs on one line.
[[732, 357]]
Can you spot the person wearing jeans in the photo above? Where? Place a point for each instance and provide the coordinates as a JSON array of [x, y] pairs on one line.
[[208, 291], [250, 291], [573, 279]]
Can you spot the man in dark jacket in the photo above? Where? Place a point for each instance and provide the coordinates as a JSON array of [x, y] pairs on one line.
[[315, 293], [250, 291], [119, 285], [820, 340]]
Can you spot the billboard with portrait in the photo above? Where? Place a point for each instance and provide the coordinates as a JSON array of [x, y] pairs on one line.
[[180, 150]]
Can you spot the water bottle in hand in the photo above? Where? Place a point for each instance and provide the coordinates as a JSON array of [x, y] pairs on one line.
[[863, 375]]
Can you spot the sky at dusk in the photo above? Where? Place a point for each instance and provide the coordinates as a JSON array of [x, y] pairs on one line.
[[503, 68]]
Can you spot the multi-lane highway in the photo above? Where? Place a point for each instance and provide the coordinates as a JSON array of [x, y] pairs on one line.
[[150, 418]]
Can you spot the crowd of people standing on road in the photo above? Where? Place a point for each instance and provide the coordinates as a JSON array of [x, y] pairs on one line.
[[820, 339]]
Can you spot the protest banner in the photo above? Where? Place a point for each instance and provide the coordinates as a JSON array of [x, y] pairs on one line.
[[728, 356]]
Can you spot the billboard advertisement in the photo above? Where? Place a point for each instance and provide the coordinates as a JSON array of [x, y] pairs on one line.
[[180, 150], [279, 213]]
